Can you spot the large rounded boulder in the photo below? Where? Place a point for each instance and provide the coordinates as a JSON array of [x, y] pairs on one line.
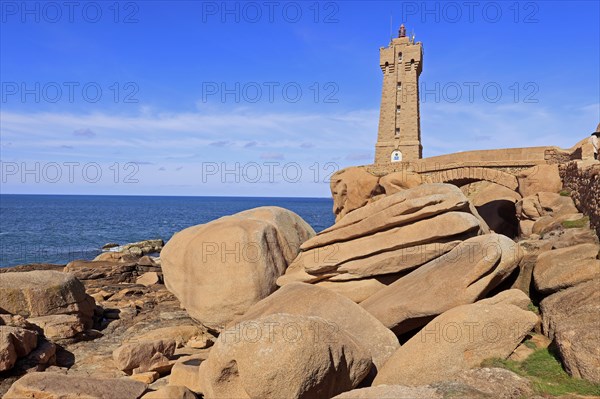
[[283, 356], [460, 339], [352, 188], [219, 269], [342, 314]]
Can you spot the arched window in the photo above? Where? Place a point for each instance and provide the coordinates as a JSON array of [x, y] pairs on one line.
[[400, 57], [387, 66]]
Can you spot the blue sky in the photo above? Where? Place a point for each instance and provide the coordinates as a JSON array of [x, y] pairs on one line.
[[252, 99]]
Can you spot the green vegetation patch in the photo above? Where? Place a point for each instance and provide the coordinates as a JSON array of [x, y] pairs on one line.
[[545, 372], [576, 224], [532, 308], [565, 193]]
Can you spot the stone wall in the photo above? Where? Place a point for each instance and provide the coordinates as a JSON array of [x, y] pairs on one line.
[[583, 178], [511, 160]]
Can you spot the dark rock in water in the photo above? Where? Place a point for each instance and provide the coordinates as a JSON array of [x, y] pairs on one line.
[[144, 247], [134, 249]]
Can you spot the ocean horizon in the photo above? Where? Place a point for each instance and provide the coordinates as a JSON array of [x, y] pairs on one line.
[[59, 228]]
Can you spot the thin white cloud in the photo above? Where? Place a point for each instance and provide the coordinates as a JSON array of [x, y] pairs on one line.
[[183, 131], [272, 156], [84, 133], [447, 128], [171, 141]]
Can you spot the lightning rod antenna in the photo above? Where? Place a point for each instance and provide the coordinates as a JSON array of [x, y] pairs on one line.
[[391, 27]]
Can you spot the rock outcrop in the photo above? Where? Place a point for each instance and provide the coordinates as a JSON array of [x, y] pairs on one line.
[[352, 188], [398, 181], [460, 277], [544, 211], [15, 342], [219, 269], [483, 383], [42, 293], [185, 372], [458, 340], [182, 334], [170, 392], [393, 235], [283, 355], [563, 268], [102, 269], [570, 317], [135, 249], [110, 270], [142, 356], [58, 327], [55, 386], [341, 314], [148, 279], [539, 178]]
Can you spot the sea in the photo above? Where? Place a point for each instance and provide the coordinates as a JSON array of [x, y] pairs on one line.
[[61, 228]]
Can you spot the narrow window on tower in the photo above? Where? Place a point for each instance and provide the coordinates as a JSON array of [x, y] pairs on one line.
[[397, 132], [399, 86], [397, 109], [387, 67], [400, 57]]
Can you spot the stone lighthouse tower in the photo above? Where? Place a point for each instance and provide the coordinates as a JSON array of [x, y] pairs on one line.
[[399, 134]]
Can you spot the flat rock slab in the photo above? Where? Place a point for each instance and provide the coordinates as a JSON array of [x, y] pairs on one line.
[[60, 386], [59, 326], [484, 383], [171, 392], [565, 267], [399, 209], [133, 355], [395, 234]]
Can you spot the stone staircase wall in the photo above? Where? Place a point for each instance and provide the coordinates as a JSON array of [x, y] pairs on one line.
[[583, 179]]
